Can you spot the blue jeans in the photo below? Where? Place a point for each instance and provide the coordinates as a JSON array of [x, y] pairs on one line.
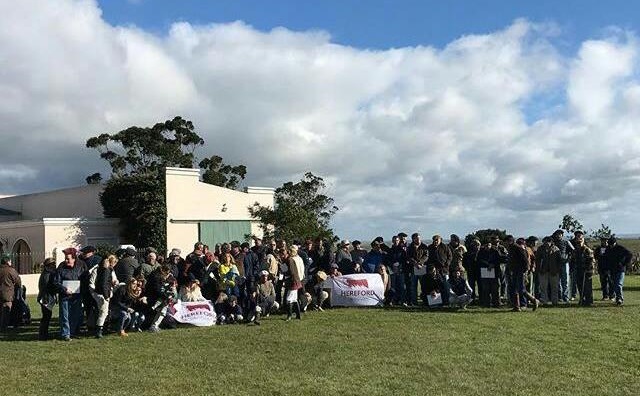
[[563, 289], [70, 312], [574, 279], [618, 281]]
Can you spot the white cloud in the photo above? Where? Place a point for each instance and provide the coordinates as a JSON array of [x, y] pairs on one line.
[[416, 138]]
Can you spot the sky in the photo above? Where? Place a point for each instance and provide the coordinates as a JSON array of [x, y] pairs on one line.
[[437, 117]]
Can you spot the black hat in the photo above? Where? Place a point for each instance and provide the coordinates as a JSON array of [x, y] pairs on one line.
[[402, 235], [356, 243], [88, 249], [131, 252], [578, 232], [612, 240], [379, 239]]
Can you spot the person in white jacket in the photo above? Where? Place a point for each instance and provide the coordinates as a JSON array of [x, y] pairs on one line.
[[102, 279]]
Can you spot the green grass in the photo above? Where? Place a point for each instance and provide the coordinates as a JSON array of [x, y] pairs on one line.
[[554, 351]]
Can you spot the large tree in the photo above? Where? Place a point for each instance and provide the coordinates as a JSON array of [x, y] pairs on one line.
[[135, 192], [301, 210], [485, 235], [570, 224]]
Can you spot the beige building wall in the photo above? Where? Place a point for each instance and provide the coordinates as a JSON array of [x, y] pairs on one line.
[[190, 201], [80, 201]]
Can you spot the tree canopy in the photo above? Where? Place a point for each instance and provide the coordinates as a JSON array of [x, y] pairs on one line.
[[301, 210], [135, 191]]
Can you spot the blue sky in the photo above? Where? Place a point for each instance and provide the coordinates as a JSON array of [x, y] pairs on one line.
[[383, 24]]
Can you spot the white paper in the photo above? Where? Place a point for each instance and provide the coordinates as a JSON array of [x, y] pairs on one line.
[[420, 271], [437, 300], [72, 285], [487, 273]]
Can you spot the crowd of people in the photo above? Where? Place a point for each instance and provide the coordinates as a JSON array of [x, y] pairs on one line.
[[246, 283]]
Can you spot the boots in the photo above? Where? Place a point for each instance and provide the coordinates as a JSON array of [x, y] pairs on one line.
[[289, 311], [99, 332], [534, 301], [296, 308]]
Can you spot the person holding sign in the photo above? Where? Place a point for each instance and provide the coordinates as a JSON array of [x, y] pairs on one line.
[[67, 283], [417, 256], [489, 260]]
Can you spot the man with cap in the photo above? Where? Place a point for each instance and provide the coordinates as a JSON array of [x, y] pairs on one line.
[[9, 281], [565, 248], [618, 258], [127, 265], [416, 268], [583, 261], [344, 259], [457, 253], [197, 261], [606, 279], [358, 251], [548, 267], [91, 260]]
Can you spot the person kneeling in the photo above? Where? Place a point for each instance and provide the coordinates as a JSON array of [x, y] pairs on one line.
[[460, 293], [227, 310]]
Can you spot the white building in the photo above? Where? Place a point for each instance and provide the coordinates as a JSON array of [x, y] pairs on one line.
[[40, 225]]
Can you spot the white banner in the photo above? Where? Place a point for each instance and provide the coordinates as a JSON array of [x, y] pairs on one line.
[[195, 313], [357, 290]]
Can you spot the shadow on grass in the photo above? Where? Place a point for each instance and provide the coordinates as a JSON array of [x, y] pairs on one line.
[[29, 332]]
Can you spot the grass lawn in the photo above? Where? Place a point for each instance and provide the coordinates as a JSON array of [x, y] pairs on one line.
[[554, 351]]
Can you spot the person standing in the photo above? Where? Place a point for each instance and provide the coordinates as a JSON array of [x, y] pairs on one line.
[[9, 281], [583, 262], [67, 278], [618, 258], [604, 272], [396, 260], [46, 296], [416, 269], [517, 267], [548, 265], [470, 264], [102, 280], [489, 262], [565, 248], [127, 266], [457, 253], [440, 257], [293, 282]]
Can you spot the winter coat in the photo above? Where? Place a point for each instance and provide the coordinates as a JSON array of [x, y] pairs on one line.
[[371, 261], [66, 273], [518, 259], [126, 268], [548, 260], [582, 259], [46, 288], [416, 255], [9, 281], [618, 258], [440, 257]]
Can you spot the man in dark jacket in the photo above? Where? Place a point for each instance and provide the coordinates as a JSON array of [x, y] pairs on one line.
[[396, 260], [471, 267], [606, 278], [9, 281], [618, 258], [517, 266], [583, 262], [66, 280], [127, 265], [416, 268], [440, 257], [489, 261]]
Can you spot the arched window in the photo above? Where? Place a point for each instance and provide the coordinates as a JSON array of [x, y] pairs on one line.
[[22, 260]]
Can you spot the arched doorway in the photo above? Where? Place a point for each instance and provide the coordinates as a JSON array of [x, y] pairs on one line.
[[22, 257]]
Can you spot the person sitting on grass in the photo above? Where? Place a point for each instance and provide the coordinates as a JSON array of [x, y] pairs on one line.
[[161, 292], [227, 310], [127, 306], [382, 270], [434, 285], [264, 298], [320, 291], [191, 291], [460, 293]]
